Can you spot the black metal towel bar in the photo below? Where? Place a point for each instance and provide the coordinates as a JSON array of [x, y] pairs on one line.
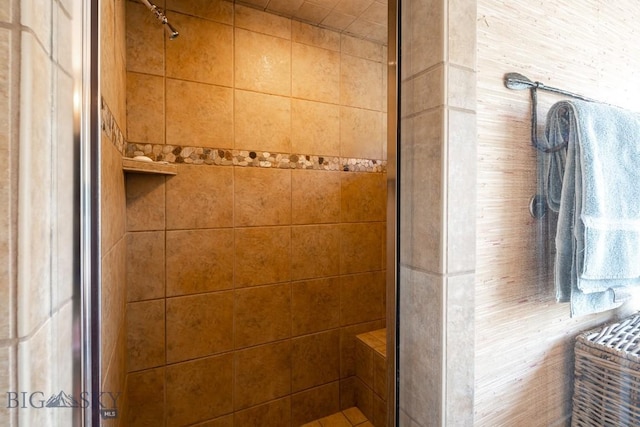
[[517, 81]]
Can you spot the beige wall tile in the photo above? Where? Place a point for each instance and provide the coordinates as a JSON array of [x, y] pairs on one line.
[[7, 188], [285, 7], [347, 392], [7, 381], [262, 314], [203, 52], [262, 22], [35, 186], [262, 63], [364, 197], [315, 36], [361, 297], [225, 421], [427, 91], [380, 375], [199, 114], [33, 356], [113, 300], [360, 133], [215, 10], [315, 128], [363, 357], [5, 11], [145, 265], [273, 414], [363, 398], [315, 359], [461, 90], [145, 334], [315, 251], [262, 374], [361, 247], [421, 346], [315, 403], [262, 255], [145, 41], [145, 202], [315, 197], [376, 13], [191, 383], [353, 7], [63, 194], [379, 411], [425, 41], [366, 49], [37, 16], [460, 333], [426, 244], [262, 196], [338, 20], [199, 261], [62, 39], [310, 12], [199, 325], [113, 196], [461, 190], [145, 108], [462, 18], [360, 83], [145, 397], [200, 196], [108, 67], [347, 347], [315, 73], [315, 305], [262, 122]]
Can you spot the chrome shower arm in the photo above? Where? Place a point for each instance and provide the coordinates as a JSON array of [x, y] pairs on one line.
[[160, 16]]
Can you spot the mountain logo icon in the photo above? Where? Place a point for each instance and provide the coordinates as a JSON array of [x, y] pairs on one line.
[[62, 400]]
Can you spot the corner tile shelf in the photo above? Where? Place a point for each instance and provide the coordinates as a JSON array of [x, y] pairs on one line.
[[137, 166]]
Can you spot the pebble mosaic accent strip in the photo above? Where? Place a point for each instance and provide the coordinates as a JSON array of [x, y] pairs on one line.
[[111, 128], [226, 157]]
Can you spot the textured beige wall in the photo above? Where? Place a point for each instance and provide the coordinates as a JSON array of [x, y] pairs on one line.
[[524, 340]]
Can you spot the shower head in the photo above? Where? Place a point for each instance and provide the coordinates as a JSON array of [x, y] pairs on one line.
[[517, 81], [173, 33]]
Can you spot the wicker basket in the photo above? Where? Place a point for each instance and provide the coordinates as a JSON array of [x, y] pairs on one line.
[[607, 375]]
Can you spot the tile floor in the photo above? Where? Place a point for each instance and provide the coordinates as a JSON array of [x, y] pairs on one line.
[[347, 418]]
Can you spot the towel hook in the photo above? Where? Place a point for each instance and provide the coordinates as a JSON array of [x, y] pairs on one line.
[[517, 81]]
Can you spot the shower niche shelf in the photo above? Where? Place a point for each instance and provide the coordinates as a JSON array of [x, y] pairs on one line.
[[137, 166]]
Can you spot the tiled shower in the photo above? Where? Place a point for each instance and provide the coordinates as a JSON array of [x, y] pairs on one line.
[[248, 274]]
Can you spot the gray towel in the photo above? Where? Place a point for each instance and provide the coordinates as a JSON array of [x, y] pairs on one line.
[[596, 191]]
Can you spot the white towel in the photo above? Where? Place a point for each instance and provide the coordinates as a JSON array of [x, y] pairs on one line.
[[598, 236]]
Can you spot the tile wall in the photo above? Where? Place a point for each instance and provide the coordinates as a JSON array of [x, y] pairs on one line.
[[36, 199], [437, 214], [112, 204], [247, 285]]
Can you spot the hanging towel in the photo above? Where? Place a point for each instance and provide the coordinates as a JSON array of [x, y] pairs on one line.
[[596, 191]]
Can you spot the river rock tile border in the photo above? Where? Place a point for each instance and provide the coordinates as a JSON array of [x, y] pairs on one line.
[[111, 128], [227, 157], [246, 158]]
